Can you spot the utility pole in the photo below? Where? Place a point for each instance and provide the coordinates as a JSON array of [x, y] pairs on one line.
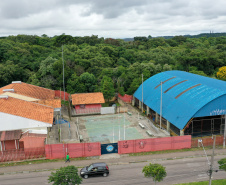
[[200, 141], [142, 96], [124, 127], [63, 71], [161, 108], [224, 130], [113, 132], [212, 160], [60, 103], [118, 127]]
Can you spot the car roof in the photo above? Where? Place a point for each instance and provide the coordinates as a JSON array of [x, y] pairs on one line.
[[99, 164]]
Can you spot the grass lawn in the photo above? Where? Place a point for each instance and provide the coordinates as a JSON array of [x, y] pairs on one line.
[[37, 161], [214, 182], [171, 151], [109, 104]]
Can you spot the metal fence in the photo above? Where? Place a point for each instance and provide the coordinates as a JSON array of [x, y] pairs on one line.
[[207, 141], [22, 154], [205, 127]]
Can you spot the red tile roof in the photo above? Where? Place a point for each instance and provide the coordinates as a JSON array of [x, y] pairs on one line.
[[55, 103], [10, 135], [27, 109], [87, 98], [30, 90]]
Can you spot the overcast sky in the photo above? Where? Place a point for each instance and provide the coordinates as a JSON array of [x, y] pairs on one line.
[[112, 18]]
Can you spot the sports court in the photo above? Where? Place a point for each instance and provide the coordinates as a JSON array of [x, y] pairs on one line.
[[110, 128]]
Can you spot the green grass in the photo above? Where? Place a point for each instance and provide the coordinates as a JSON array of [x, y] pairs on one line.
[[214, 182], [106, 104], [38, 161], [64, 102], [171, 151]]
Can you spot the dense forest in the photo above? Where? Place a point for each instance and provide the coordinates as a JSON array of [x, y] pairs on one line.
[[94, 64]]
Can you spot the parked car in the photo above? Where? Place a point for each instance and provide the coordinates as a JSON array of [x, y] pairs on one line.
[[95, 169]]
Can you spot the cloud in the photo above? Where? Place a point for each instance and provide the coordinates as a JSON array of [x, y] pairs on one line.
[[108, 18]]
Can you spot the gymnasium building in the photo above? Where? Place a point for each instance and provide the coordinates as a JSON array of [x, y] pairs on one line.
[[184, 103]]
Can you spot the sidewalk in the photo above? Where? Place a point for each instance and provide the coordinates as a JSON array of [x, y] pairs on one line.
[[110, 159]]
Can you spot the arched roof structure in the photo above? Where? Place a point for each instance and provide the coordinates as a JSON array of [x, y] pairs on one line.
[[184, 96]]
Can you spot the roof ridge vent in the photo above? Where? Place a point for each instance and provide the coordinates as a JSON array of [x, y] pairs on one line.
[[8, 90], [4, 96], [16, 82]]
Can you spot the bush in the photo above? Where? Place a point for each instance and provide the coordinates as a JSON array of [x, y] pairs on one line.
[[65, 176]]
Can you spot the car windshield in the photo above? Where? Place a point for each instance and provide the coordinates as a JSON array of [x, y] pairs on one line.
[[90, 167]]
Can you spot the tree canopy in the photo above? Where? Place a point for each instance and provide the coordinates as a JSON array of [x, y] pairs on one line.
[[107, 88], [65, 176], [155, 171], [221, 73], [38, 60], [222, 164]]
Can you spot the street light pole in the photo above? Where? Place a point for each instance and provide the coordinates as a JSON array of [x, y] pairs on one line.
[[161, 108], [63, 70], [224, 130], [113, 134], [142, 96], [212, 157], [200, 141], [113, 131], [124, 127], [118, 127]]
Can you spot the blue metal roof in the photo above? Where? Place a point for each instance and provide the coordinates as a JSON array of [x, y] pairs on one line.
[[184, 96]]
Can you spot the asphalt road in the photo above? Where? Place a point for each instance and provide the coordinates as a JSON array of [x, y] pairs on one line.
[[178, 171]]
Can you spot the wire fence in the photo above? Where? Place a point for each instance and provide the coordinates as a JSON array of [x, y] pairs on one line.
[[22, 154], [205, 127], [207, 141]]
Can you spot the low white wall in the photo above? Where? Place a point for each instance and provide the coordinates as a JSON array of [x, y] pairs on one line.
[[107, 110], [12, 122]]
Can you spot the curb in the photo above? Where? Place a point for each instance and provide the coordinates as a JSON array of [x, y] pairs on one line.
[[117, 163]]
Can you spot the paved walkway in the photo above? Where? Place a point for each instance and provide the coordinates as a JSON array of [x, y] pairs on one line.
[[110, 159]]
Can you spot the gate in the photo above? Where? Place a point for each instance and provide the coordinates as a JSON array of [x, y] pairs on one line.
[[109, 148]]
